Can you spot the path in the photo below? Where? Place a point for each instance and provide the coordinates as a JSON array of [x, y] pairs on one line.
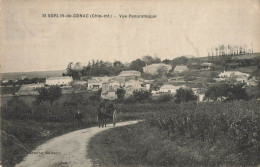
[[66, 150]]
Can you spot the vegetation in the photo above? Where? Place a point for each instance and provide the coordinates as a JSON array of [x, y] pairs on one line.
[[50, 94], [185, 95], [226, 91], [96, 96], [9, 90], [24, 127], [190, 134], [24, 81], [165, 98], [141, 95], [120, 94]]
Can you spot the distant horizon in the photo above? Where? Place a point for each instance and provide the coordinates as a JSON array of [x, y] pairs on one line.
[[31, 71], [99, 59]]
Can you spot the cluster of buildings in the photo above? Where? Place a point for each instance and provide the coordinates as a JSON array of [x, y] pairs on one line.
[[131, 80], [127, 80], [238, 77], [155, 69]]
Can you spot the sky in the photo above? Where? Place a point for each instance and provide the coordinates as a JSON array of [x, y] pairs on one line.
[[30, 42]]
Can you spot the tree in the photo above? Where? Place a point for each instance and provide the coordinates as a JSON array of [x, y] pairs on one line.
[[166, 61], [179, 61], [237, 92], [162, 70], [50, 94], [120, 94], [216, 91], [54, 93], [137, 65], [228, 91], [141, 95], [151, 60], [184, 95], [74, 73]]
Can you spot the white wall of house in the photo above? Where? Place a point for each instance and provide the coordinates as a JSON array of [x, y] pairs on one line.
[[59, 80]]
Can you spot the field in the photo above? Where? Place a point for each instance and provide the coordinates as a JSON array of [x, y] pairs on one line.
[[215, 134], [186, 134]]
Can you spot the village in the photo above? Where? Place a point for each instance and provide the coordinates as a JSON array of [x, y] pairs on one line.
[[130, 83], [157, 78]]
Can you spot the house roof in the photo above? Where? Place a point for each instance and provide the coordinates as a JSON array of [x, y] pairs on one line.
[[80, 82], [207, 64], [158, 65], [129, 73], [236, 73], [58, 78], [180, 68]]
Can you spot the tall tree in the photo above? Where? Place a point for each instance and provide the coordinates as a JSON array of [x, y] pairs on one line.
[[137, 65], [151, 60]]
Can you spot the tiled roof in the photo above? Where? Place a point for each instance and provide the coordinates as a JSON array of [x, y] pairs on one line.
[[158, 65]]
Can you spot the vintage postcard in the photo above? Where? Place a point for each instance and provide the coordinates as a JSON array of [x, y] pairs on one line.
[[129, 83]]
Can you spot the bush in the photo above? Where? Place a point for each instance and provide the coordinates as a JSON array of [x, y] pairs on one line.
[[96, 96], [185, 95], [120, 94], [76, 99], [16, 109], [226, 91], [130, 100], [165, 98], [142, 95]]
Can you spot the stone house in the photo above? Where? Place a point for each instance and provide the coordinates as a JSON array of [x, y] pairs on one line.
[[153, 69], [59, 80], [180, 68]]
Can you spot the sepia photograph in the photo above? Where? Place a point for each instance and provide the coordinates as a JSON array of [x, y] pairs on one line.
[[135, 83]]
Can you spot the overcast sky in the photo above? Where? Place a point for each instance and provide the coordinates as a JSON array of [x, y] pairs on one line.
[[33, 43]]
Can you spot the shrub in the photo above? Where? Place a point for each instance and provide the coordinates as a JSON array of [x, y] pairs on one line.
[[16, 109], [96, 96], [226, 91], [165, 98], [130, 100], [120, 94], [76, 99], [142, 95], [185, 95]]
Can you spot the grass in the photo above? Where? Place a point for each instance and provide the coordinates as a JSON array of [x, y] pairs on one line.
[[9, 90], [143, 145]]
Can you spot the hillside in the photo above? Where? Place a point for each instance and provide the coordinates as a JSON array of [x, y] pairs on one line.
[[235, 57]]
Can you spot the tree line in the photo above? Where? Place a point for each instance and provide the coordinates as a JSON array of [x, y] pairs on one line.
[[106, 68], [230, 50]]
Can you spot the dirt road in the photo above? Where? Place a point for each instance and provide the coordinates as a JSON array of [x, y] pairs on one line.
[[66, 150]]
